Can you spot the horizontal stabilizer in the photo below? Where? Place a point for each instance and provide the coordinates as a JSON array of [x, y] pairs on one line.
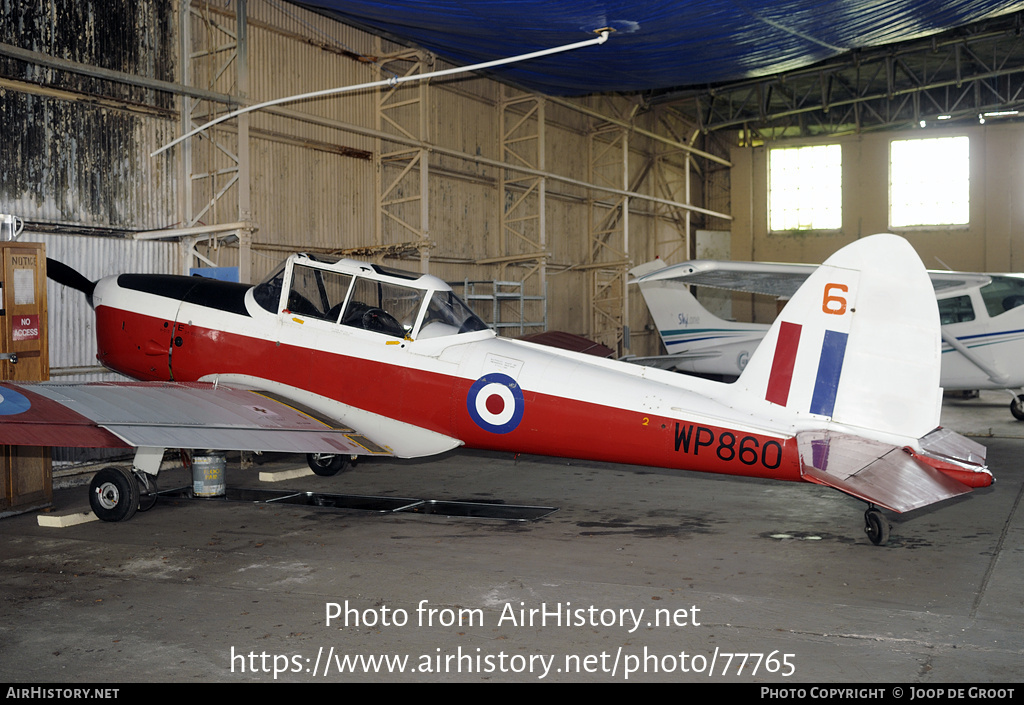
[[951, 447], [875, 472]]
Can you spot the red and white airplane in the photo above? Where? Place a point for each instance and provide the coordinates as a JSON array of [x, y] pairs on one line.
[[350, 358]]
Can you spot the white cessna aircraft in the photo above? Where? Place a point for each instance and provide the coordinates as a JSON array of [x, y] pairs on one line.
[[981, 315]]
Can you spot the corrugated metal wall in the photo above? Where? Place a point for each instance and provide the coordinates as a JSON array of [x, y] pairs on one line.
[[75, 146]]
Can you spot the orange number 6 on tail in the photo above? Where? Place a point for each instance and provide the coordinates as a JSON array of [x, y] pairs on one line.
[[833, 304]]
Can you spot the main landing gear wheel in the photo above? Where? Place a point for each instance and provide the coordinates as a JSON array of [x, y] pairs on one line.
[[114, 494], [326, 464], [876, 527], [1017, 407]]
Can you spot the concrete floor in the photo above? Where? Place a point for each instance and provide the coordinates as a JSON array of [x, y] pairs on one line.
[[214, 591]]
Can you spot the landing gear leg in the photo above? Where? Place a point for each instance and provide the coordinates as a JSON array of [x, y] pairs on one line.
[[876, 526], [148, 491]]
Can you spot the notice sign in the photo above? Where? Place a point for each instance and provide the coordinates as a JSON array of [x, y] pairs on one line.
[[24, 285], [25, 327]]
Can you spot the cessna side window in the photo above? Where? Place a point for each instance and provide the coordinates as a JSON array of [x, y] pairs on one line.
[[805, 188], [956, 309], [929, 182], [317, 293], [382, 307], [1002, 294], [448, 315]]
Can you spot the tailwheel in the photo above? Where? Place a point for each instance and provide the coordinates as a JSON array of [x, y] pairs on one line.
[[326, 464], [876, 527], [1017, 407], [114, 494]]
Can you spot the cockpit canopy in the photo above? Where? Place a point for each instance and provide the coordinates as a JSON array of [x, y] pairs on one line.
[[350, 293]]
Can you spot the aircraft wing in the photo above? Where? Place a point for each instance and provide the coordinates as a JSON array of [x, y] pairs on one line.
[[771, 278], [753, 277], [168, 415], [875, 472]]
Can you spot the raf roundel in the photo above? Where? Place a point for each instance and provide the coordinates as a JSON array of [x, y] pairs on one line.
[[495, 402], [12, 402]]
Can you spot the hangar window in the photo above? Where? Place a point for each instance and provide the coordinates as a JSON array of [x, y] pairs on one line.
[[929, 182], [805, 188]]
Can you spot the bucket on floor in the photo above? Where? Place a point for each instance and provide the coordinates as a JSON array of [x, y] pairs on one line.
[[208, 475]]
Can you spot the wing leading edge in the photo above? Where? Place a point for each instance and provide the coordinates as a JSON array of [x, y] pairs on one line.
[[772, 278], [168, 415]]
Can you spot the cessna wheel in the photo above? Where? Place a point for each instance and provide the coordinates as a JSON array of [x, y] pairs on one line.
[[114, 494], [1017, 407], [326, 464], [876, 527]]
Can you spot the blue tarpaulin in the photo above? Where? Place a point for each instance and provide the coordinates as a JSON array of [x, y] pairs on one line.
[[657, 44]]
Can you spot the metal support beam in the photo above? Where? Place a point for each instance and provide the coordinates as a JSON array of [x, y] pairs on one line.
[[608, 163], [403, 169], [215, 169], [522, 210], [962, 74], [53, 62]]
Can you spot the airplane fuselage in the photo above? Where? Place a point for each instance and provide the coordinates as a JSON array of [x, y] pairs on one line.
[[484, 391]]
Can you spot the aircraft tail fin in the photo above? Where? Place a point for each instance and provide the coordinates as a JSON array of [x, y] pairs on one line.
[[683, 322], [858, 344]]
